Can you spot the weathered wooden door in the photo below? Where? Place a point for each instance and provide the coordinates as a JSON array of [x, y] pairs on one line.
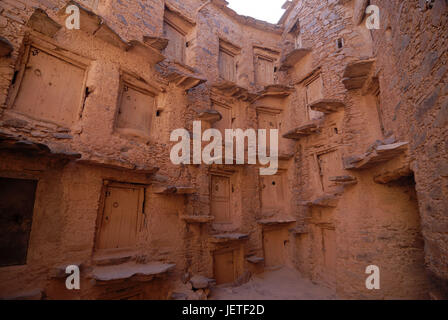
[[51, 89], [274, 247], [226, 121], [329, 254], [267, 121], [330, 166], [314, 92], [220, 198], [227, 66], [136, 109], [120, 218], [272, 194], [224, 269], [176, 44], [264, 72]]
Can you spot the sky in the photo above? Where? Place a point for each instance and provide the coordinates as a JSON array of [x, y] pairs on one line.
[[266, 10]]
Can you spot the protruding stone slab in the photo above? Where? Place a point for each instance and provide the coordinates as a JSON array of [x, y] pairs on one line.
[[380, 154], [357, 73], [299, 230], [228, 237], [235, 91], [42, 23], [181, 75], [275, 90], [210, 116], [5, 47], [172, 190], [201, 282], [131, 270], [326, 201], [197, 219], [303, 131], [12, 143], [156, 42], [344, 180], [294, 57], [255, 260], [270, 222], [119, 164], [327, 105]]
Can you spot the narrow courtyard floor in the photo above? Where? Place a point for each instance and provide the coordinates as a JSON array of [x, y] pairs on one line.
[[280, 284]]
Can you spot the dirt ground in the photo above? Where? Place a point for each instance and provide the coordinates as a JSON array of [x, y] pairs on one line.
[[280, 284]]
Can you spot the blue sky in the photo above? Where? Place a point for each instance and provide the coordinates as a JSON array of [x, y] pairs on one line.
[[267, 10]]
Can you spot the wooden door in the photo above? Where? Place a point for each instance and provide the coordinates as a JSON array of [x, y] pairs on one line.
[[267, 121], [329, 254], [272, 194], [274, 247], [220, 199], [314, 92], [176, 44], [226, 121], [330, 165], [227, 66], [136, 109], [224, 269], [51, 89], [264, 72], [119, 226]]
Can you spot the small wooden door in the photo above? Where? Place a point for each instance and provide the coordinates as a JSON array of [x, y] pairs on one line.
[[226, 121], [51, 89], [267, 121], [314, 92], [227, 68], [264, 72], [272, 194], [136, 109], [224, 269], [274, 242], [220, 198], [122, 209], [330, 165], [176, 44], [329, 254]]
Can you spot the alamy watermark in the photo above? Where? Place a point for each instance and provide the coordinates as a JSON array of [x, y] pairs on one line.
[[213, 152], [373, 17]]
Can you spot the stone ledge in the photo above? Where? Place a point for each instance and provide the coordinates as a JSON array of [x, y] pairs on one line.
[[379, 154], [294, 57], [270, 222], [327, 106], [181, 75], [274, 90], [210, 116], [356, 73], [233, 90], [227, 237], [255, 260], [131, 270], [305, 130], [197, 219], [325, 201], [172, 190]]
